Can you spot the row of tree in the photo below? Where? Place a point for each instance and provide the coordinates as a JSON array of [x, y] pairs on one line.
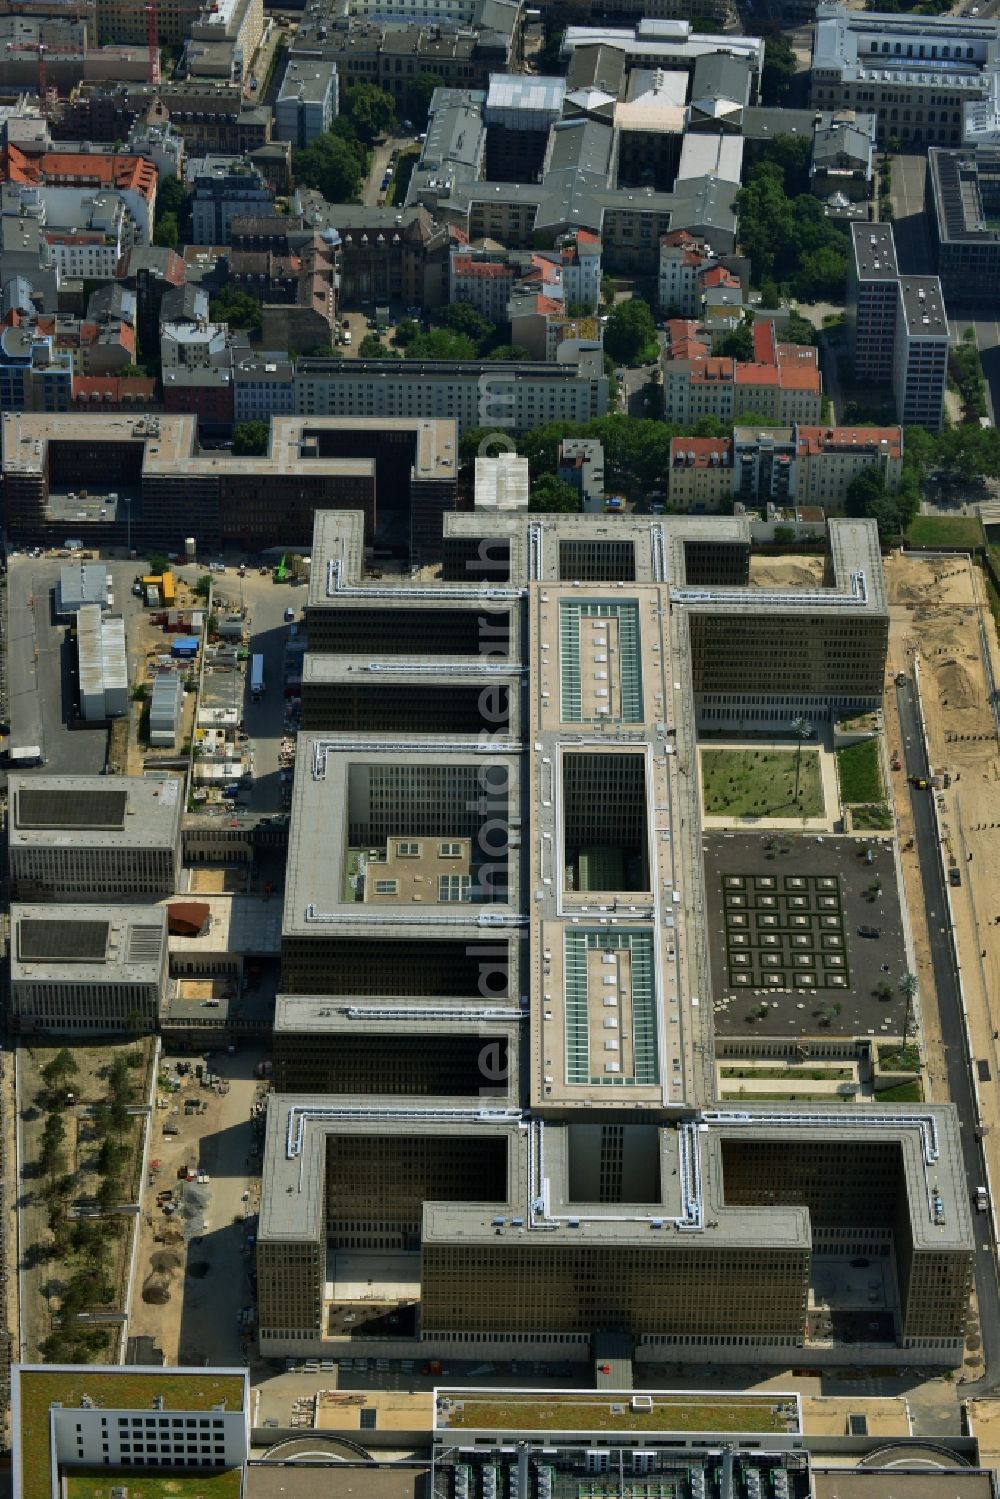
[[85, 1241]]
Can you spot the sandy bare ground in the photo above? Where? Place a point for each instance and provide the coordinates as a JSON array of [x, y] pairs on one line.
[[936, 609], [785, 572]]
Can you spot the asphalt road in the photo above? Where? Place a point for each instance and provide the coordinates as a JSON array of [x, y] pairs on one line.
[[949, 1005]]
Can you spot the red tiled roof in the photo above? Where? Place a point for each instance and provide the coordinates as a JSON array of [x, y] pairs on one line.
[[816, 440], [702, 448]]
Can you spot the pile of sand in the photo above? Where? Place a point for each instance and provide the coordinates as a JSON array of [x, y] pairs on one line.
[[956, 688]]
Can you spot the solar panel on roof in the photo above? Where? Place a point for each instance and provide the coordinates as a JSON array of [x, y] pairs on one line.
[[41, 940], [39, 807]]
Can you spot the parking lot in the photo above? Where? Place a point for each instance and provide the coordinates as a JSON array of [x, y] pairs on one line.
[[41, 665], [788, 910]]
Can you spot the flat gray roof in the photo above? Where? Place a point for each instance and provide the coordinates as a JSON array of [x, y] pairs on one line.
[[66, 944], [95, 811]]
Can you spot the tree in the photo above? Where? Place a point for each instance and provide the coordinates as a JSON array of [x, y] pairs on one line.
[[171, 195], [250, 439], [53, 1135], [202, 587], [630, 333], [460, 317], [516, 353], [57, 1073], [790, 155], [159, 563], [439, 343], [778, 70], [334, 164], [167, 232], [550, 493], [119, 1082], [372, 347], [237, 308], [370, 110], [908, 987], [418, 97], [738, 344], [802, 729]]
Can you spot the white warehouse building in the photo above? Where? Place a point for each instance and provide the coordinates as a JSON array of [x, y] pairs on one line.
[[100, 647]]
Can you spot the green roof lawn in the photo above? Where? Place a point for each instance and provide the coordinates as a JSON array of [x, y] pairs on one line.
[[170, 1483], [110, 1389], [542, 1411]]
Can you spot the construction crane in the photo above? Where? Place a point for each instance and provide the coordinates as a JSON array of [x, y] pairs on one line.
[[153, 40]]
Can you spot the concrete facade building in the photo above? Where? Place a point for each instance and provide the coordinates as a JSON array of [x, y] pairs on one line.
[[439, 979], [142, 1419], [916, 74], [114, 838], [514, 396], [87, 968], [898, 327], [963, 193], [224, 188], [307, 102]]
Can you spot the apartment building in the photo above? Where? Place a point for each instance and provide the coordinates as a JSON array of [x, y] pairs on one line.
[[701, 476], [686, 270], [84, 838], [83, 969], [916, 74], [963, 193], [898, 327], [133, 178], [782, 382], [224, 188], [805, 465], [514, 396]]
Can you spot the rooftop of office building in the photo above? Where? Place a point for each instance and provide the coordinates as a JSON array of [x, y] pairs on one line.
[[82, 812], [86, 944]]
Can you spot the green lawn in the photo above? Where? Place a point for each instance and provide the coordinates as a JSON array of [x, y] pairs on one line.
[[859, 773], [945, 531], [902, 1093], [405, 163], [876, 818], [761, 783], [792, 1074], [899, 1058], [112, 1389], [550, 1411], [224, 1483]]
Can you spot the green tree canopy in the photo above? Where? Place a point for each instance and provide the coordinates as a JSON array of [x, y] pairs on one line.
[[778, 71], [372, 347], [738, 344], [790, 240], [370, 110], [250, 439], [550, 493], [790, 155], [418, 97], [167, 232], [334, 163], [459, 317], [516, 352], [237, 308], [630, 333]]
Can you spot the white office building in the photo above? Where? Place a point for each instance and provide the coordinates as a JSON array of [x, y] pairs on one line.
[[307, 103]]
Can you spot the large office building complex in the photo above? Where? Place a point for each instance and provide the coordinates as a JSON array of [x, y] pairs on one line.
[[898, 327], [493, 1045]]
